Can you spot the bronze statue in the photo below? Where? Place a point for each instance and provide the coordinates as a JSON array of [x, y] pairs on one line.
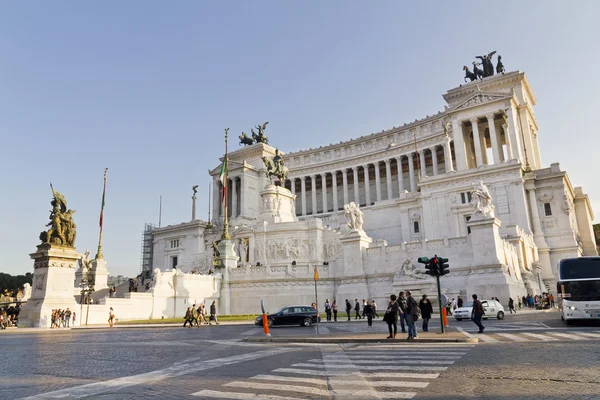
[[469, 74], [62, 230], [478, 72], [195, 189], [260, 137], [275, 167], [246, 140], [500, 66], [486, 62]]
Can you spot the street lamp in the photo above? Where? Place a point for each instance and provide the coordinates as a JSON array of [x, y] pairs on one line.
[[87, 288]]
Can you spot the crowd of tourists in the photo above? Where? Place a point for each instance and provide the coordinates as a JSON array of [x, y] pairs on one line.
[[9, 316], [62, 318], [197, 316]]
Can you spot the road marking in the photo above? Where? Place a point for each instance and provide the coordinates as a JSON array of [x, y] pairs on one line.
[[375, 368], [569, 336], [390, 375], [392, 353], [365, 394], [396, 357], [538, 336], [397, 384], [283, 388], [240, 396], [335, 385], [290, 379], [322, 329], [185, 367], [467, 334], [382, 362], [512, 337], [486, 338], [250, 332], [594, 335]]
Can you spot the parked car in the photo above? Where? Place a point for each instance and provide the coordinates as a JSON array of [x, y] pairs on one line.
[[492, 309], [291, 315]]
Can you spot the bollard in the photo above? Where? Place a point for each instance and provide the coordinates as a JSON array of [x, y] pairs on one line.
[[445, 318], [265, 321]]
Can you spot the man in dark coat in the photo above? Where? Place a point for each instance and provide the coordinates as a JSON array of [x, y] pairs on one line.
[[426, 311], [357, 309], [348, 309], [478, 312]]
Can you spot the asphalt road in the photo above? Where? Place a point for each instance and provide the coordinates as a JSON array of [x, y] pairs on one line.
[[557, 362]]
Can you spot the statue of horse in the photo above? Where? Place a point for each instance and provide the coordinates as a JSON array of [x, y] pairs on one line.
[[469, 74], [478, 72], [272, 170], [245, 139]]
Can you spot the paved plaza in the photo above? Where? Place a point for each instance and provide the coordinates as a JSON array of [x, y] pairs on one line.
[[528, 356]]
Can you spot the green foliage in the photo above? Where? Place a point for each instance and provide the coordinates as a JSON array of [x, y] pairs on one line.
[[14, 283]]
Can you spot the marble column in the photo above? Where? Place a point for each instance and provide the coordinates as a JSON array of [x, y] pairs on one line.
[[423, 165], [334, 188], [303, 194], [459, 146], [377, 180], [535, 214], [234, 197], [367, 185], [313, 193], [356, 193], [411, 173], [241, 195], [345, 185], [509, 148], [448, 156], [496, 149], [434, 160], [477, 142], [400, 175], [293, 185], [388, 178], [324, 191]]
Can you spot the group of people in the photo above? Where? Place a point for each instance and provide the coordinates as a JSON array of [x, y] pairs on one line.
[[62, 318], [9, 316], [197, 316], [404, 308], [544, 301]]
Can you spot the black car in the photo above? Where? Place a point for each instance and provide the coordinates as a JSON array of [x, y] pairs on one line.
[[291, 315]]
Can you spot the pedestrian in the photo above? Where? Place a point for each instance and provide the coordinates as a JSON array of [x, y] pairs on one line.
[[403, 314], [374, 309], [68, 318], [478, 312], [459, 302], [368, 312], [511, 305], [426, 311], [391, 316], [453, 304], [202, 314], [356, 309], [551, 297], [348, 308], [213, 313], [328, 310], [195, 315], [188, 317], [111, 317], [412, 311], [74, 316], [334, 308], [519, 303], [364, 304]]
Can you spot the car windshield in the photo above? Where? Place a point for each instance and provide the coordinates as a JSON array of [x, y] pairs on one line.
[[469, 304]]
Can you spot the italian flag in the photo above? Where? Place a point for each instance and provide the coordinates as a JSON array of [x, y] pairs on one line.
[[223, 178], [103, 195]]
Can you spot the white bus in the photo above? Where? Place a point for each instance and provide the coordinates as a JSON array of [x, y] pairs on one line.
[[579, 288]]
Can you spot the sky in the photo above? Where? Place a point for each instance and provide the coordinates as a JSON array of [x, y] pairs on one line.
[[146, 89]]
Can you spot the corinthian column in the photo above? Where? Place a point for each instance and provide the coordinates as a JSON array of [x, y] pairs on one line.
[[388, 178], [345, 185], [334, 187], [313, 189], [411, 173], [367, 185], [303, 190], [377, 180], [356, 194], [324, 191]]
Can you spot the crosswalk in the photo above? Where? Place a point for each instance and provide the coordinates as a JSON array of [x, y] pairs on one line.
[[362, 372], [549, 336]]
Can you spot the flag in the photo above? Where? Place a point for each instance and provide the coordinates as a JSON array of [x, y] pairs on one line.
[[316, 273], [223, 178], [103, 195]]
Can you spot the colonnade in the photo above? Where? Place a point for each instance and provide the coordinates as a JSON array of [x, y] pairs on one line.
[[234, 204], [367, 183]]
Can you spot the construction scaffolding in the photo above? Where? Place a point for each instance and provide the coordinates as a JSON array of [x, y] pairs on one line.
[[147, 248]]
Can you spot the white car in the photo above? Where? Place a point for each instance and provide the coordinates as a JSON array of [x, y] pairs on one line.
[[492, 308]]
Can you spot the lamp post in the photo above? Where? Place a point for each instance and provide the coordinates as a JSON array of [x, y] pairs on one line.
[[87, 288]]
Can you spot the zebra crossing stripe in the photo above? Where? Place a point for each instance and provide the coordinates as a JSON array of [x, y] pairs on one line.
[[594, 335], [374, 368], [486, 338], [366, 394], [290, 379], [240, 396], [512, 337], [394, 384], [283, 388], [389, 362], [538, 336], [389, 375], [396, 357], [569, 336], [391, 353]]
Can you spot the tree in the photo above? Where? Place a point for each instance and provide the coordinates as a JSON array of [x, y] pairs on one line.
[[12, 283]]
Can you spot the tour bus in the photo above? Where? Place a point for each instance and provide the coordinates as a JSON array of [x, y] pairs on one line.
[[579, 288]]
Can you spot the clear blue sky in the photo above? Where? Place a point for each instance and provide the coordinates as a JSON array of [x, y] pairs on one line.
[[145, 88]]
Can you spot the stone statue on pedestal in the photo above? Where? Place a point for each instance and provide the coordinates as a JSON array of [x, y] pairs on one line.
[[482, 201], [62, 230], [354, 216]]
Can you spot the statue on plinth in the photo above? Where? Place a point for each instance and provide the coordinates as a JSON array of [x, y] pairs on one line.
[[62, 230], [275, 167], [260, 137], [481, 199], [486, 62], [245, 139], [354, 216], [26, 292]]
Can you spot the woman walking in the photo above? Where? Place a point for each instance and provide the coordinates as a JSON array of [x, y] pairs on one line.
[[334, 308], [391, 316], [213, 313], [426, 311], [328, 310], [111, 317], [511, 305]]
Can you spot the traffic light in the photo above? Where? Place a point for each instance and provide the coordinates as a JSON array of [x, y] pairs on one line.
[[432, 267], [443, 267]]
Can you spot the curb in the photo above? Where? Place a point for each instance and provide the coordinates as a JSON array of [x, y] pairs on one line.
[[356, 340]]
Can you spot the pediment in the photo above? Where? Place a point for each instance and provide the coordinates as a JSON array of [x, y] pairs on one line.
[[481, 98]]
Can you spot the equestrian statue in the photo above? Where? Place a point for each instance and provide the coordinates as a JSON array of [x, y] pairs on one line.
[[275, 167], [487, 65]]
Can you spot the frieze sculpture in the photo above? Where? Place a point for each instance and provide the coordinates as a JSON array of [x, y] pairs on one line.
[[487, 67], [481, 199], [354, 216], [409, 271], [275, 167], [62, 230]]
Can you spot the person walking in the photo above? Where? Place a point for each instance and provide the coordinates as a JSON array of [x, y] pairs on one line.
[[327, 310], [195, 316], [187, 318], [403, 314], [551, 298], [478, 312], [453, 304], [511, 305], [213, 313], [412, 315], [334, 308], [364, 304], [68, 318], [348, 309], [391, 316], [356, 309], [202, 314], [426, 311], [111, 317], [368, 312], [374, 309]]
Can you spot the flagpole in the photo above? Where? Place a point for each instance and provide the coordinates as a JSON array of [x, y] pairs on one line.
[[99, 255], [225, 235]]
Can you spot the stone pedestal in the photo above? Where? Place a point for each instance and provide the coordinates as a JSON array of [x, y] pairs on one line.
[[100, 274], [53, 277], [354, 245], [278, 205], [229, 261], [486, 241]]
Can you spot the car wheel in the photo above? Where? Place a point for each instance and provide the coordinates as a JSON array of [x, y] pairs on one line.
[[459, 319], [307, 322], [569, 322], [270, 322], [500, 315], [485, 319]]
